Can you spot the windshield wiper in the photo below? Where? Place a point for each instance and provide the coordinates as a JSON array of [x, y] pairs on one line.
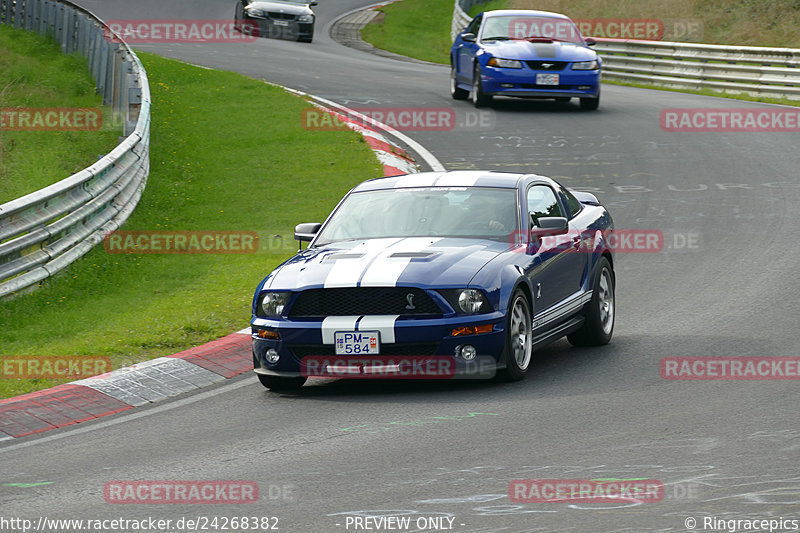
[[496, 38]]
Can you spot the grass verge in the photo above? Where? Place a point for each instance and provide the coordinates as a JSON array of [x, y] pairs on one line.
[[415, 28], [227, 153], [35, 74]]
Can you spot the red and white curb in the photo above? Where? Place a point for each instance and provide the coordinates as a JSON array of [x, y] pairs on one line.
[[126, 388], [165, 377]]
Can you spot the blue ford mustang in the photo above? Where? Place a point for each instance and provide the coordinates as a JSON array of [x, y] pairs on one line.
[[523, 53], [457, 267]]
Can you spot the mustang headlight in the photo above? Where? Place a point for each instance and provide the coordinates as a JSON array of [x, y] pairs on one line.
[[585, 65], [504, 63], [272, 303], [305, 18]]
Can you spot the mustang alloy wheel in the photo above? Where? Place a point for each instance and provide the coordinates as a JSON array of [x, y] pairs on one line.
[[599, 325], [519, 338]]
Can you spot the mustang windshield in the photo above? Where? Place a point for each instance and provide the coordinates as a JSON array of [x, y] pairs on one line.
[[525, 27], [475, 212]]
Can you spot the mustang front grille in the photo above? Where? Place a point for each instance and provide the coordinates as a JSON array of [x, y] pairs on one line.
[[546, 65], [349, 301]]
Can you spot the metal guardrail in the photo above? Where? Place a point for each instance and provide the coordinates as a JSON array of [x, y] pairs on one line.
[[752, 70], [45, 231]]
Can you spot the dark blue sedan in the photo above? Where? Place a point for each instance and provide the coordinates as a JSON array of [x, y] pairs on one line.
[[450, 273], [528, 54]]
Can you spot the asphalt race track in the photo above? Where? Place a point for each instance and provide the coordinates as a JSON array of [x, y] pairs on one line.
[[725, 284]]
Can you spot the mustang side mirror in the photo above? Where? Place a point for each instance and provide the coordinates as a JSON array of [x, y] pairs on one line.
[[469, 37], [306, 232], [546, 226], [590, 42]]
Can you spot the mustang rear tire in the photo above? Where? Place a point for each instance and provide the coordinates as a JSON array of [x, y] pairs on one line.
[[455, 91], [599, 325], [478, 98], [519, 339], [279, 384]]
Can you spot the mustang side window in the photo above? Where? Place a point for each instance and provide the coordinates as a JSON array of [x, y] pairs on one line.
[[573, 204], [474, 25], [542, 202]]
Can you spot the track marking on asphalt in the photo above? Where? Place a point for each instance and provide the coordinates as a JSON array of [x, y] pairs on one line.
[[133, 416]]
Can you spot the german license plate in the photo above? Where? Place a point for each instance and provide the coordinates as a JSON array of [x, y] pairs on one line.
[[547, 79], [281, 22], [357, 342]]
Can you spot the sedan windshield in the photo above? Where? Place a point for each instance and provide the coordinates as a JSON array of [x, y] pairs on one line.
[[530, 27], [475, 212]]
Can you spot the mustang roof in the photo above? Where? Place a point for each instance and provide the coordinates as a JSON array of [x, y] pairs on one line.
[[461, 178]]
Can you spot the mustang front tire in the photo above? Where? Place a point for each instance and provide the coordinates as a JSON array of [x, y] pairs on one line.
[[478, 98], [519, 339], [599, 325]]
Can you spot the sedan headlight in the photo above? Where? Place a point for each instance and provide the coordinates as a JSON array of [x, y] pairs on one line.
[[585, 65], [504, 63], [253, 12], [272, 303], [305, 18]]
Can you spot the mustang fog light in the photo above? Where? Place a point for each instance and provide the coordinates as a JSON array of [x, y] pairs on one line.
[[468, 352], [584, 87], [507, 85], [272, 356]]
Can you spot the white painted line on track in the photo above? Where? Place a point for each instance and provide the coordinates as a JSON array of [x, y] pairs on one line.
[[135, 413]]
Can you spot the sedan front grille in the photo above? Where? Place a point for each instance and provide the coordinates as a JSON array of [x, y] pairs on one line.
[[281, 16], [351, 301], [546, 65]]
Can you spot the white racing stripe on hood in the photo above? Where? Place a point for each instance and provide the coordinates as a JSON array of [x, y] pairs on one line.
[[384, 271], [347, 272], [382, 323], [332, 324]]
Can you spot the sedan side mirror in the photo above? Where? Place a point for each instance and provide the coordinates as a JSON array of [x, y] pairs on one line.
[[469, 37], [546, 226], [313, 3], [590, 42], [306, 232]]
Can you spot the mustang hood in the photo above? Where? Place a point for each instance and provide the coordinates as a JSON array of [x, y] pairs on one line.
[[526, 51], [414, 261]]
